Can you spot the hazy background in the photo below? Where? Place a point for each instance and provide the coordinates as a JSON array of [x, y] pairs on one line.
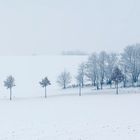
[[51, 26]]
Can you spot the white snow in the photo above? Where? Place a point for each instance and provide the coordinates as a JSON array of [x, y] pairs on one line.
[[70, 117], [96, 115]]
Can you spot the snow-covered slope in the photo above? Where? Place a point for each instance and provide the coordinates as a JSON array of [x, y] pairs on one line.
[[89, 117]]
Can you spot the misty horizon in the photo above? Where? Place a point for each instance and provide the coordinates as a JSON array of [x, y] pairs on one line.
[[50, 27]]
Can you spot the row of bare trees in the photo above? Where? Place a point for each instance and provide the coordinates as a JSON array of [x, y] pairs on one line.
[[107, 69], [99, 70]]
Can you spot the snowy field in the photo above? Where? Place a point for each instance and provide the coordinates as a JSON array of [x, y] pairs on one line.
[[96, 115]]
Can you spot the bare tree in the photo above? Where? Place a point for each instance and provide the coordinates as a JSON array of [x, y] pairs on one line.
[[79, 81], [9, 83], [80, 77], [110, 64], [44, 83], [102, 65], [64, 79], [130, 58], [92, 72], [123, 67], [117, 77], [81, 74]]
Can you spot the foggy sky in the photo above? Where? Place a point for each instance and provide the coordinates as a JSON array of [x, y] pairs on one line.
[[51, 26]]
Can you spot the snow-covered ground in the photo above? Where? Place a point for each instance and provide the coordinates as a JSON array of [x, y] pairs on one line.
[[70, 117], [96, 115]]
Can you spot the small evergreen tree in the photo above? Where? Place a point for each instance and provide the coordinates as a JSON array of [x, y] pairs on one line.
[[44, 83], [9, 83], [117, 77]]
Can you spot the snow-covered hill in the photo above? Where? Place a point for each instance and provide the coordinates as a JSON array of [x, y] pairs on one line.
[[96, 115]]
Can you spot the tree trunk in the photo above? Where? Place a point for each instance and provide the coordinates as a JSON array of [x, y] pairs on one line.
[[79, 89], [64, 87], [101, 85], [125, 77], [138, 81], [117, 88], [110, 85], [10, 93], [124, 83], [82, 83], [45, 93], [94, 83], [133, 81], [97, 86]]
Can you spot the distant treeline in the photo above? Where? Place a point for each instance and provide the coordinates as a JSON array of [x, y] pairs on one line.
[[74, 53], [105, 68]]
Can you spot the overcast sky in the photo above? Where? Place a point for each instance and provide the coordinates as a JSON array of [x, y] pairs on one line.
[[51, 26]]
